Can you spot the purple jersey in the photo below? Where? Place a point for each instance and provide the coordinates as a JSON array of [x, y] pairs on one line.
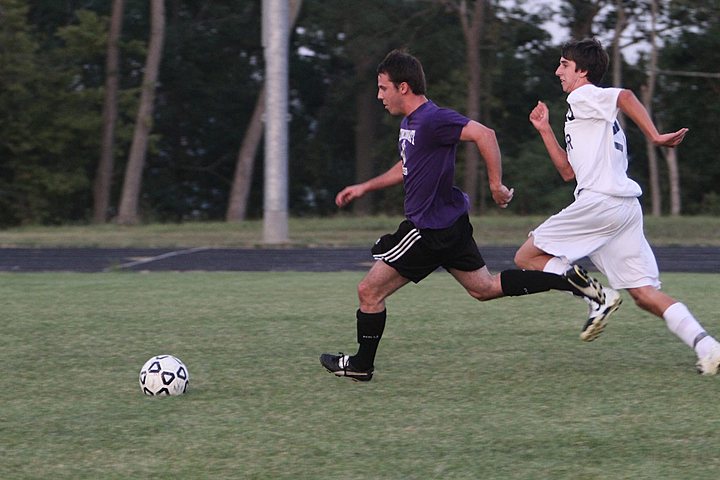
[[427, 143]]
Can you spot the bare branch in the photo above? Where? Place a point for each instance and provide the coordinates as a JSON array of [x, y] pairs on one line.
[[680, 73]]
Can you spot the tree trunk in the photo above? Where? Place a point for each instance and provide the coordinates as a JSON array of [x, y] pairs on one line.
[[473, 26], [581, 24], [245, 165], [648, 92], [103, 177], [653, 173], [128, 211], [240, 191], [620, 25], [674, 179]]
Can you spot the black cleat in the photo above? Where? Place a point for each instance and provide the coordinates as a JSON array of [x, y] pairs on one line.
[[340, 365], [588, 286]]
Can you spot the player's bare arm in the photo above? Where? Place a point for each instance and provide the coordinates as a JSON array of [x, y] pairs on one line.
[[629, 104], [392, 177], [487, 144], [540, 119]]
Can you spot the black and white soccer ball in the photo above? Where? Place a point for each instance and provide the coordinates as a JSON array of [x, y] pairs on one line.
[[164, 375]]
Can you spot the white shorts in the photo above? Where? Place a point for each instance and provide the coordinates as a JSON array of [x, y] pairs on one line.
[[609, 231]]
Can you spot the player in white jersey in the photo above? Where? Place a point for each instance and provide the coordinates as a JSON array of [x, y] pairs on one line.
[[605, 222]]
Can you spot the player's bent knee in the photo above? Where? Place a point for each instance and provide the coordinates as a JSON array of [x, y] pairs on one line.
[[363, 291], [521, 261], [367, 294]]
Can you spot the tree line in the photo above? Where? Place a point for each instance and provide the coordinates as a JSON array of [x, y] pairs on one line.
[[137, 110]]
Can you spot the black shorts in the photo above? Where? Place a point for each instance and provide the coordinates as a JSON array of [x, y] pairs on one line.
[[416, 253]]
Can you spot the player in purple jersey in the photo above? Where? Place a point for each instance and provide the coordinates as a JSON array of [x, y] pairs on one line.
[[436, 231]]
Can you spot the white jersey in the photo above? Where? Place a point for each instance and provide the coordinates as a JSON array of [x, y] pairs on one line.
[[595, 143]]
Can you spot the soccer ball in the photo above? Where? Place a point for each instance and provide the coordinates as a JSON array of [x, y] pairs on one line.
[[164, 375]]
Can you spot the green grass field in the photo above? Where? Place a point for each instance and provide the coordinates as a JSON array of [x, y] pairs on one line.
[[463, 390]]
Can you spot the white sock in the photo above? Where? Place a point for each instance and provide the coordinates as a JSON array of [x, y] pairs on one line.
[[557, 266], [681, 322]]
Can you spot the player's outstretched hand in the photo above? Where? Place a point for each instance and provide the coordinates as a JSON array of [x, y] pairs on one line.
[[348, 194], [503, 195], [671, 139]]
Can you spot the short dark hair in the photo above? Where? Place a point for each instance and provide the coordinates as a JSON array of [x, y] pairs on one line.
[[400, 67], [589, 55]]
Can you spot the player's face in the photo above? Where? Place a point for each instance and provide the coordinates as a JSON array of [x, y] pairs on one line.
[[389, 95], [570, 77]]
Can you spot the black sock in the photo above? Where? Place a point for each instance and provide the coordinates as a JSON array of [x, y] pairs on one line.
[[370, 328], [527, 282]]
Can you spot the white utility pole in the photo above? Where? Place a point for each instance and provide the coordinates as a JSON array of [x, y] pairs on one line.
[[275, 43]]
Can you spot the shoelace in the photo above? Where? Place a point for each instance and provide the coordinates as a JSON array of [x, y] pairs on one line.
[[343, 361]]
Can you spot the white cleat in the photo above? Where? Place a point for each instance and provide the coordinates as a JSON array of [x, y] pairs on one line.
[[599, 313], [708, 365]]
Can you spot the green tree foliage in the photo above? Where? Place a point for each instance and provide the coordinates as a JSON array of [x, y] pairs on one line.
[[47, 124], [210, 77], [339, 44], [52, 75], [689, 93]]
